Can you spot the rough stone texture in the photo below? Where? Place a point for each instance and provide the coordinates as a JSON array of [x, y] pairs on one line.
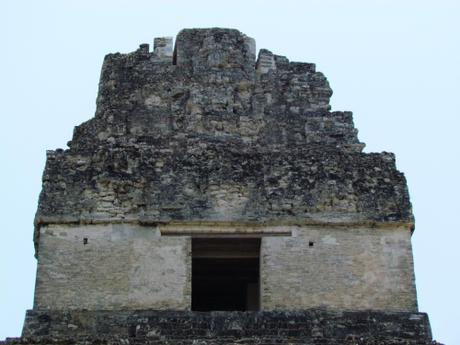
[[206, 136], [313, 326], [114, 266], [207, 139]]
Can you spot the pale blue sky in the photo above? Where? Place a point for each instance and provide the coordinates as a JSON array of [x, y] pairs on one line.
[[395, 64]]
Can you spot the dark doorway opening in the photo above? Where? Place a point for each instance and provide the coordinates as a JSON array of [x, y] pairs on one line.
[[225, 274]]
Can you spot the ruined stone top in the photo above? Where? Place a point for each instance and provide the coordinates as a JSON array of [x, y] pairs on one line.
[[207, 132]]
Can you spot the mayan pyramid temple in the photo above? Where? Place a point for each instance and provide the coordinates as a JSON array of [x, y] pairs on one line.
[[215, 198]]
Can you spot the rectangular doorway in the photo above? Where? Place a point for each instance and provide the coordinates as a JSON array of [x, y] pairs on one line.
[[225, 274]]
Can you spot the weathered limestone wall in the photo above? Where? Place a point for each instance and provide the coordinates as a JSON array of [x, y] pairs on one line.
[[132, 267], [120, 267], [210, 138], [341, 268]]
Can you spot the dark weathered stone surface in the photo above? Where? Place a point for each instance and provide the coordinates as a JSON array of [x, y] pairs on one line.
[[211, 134], [173, 327]]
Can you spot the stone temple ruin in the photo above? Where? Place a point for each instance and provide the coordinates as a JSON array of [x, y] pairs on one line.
[[215, 199]]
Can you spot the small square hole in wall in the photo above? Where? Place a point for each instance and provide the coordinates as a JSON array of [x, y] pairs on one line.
[[85, 240], [311, 244]]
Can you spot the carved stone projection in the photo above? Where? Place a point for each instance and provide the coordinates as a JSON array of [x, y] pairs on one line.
[[211, 180]]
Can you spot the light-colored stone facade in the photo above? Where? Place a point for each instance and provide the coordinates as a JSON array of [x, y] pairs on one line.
[[128, 266], [354, 268], [119, 267]]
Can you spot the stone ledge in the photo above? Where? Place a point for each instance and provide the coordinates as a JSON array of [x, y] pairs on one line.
[[260, 226], [206, 341], [313, 326]]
